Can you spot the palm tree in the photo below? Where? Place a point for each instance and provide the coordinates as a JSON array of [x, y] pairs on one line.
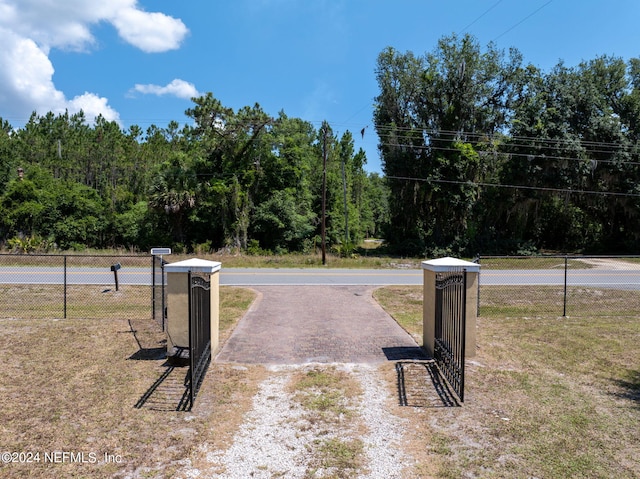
[[174, 193]]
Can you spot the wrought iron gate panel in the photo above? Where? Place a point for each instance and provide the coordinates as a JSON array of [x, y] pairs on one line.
[[450, 325], [199, 333]]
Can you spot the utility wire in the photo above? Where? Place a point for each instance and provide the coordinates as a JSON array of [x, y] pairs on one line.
[[517, 187], [456, 135], [521, 21], [542, 148], [516, 154], [482, 15]]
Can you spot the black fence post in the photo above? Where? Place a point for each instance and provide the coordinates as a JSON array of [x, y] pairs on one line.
[[564, 306], [64, 294], [477, 261], [163, 293], [153, 287]]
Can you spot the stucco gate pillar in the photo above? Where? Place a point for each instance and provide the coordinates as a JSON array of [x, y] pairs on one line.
[[441, 265], [178, 289]]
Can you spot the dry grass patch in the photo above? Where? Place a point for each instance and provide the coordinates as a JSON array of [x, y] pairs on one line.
[[405, 303], [328, 396], [325, 391], [71, 386], [548, 301], [548, 397], [368, 259], [532, 262], [341, 457], [45, 301]]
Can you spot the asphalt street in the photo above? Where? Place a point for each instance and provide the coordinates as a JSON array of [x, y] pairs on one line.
[[627, 279]]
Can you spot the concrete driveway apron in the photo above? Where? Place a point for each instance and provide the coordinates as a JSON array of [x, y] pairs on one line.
[[317, 324]]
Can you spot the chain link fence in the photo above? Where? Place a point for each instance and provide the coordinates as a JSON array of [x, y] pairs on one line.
[[556, 286], [81, 286]]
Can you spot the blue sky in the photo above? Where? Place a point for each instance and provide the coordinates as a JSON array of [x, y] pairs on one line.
[[139, 62]]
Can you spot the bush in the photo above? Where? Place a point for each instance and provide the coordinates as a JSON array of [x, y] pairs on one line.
[[29, 244]]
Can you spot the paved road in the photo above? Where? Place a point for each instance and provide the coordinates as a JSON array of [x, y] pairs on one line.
[[317, 276], [75, 275], [627, 279]]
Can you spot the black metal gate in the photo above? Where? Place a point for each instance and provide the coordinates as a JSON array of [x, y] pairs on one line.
[[199, 333], [450, 319], [158, 291]]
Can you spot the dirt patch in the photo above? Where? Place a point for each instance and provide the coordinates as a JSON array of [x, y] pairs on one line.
[[610, 263]]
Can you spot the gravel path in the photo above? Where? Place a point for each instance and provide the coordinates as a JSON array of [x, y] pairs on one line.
[[276, 435]]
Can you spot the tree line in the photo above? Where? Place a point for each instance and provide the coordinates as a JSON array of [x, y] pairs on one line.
[[231, 179], [485, 153], [481, 153]]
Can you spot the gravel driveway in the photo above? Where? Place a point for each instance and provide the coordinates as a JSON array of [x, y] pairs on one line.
[[293, 330]]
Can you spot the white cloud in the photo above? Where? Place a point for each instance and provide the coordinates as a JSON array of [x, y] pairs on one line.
[[29, 29], [26, 76], [177, 87], [92, 105], [150, 32]]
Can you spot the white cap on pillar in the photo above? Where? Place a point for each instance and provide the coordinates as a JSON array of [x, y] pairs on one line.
[[442, 265], [194, 265]]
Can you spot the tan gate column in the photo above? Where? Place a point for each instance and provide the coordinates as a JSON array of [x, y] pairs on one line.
[[178, 300], [443, 265]]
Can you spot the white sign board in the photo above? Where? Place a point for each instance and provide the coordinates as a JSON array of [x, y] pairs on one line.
[[160, 251]]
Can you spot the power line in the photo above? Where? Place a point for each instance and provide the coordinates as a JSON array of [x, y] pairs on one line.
[[544, 142], [516, 154], [539, 147], [522, 21], [482, 15], [517, 187]]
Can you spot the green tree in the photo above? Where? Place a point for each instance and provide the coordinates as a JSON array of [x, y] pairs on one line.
[[434, 116], [174, 193], [21, 209], [64, 212], [232, 147], [7, 163], [287, 172], [575, 132], [281, 223], [375, 206]]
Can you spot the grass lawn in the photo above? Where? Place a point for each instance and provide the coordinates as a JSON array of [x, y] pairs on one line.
[[68, 390], [368, 255], [547, 397]]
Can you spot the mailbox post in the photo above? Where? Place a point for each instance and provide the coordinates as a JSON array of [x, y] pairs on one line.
[[115, 268]]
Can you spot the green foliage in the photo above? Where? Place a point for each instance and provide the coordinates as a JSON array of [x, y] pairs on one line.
[[64, 211], [278, 222], [237, 179], [129, 226], [28, 244], [461, 116], [450, 123], [425, 115]]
